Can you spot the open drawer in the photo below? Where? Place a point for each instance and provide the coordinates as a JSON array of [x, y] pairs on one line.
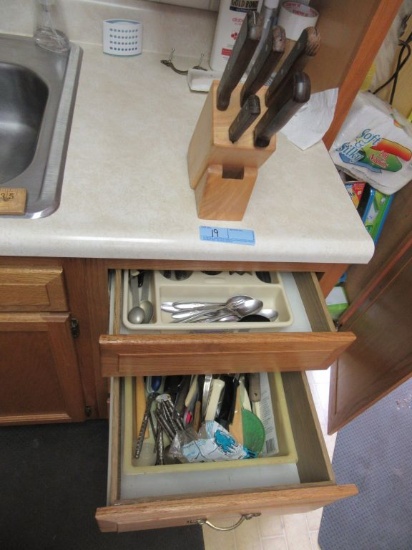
[[310, 342], [181, 499]]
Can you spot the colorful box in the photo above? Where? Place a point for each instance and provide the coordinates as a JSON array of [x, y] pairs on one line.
[[355, 190]]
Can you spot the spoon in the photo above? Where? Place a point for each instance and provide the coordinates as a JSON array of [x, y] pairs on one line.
[[231, 302], [136, 314], [244, 305], [145, 303], [143, 312]]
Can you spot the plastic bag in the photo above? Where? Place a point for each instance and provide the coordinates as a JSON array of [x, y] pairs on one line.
[[375, 145], [212, 444]]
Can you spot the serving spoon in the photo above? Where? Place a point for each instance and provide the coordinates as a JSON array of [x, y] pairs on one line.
[[143, 311]]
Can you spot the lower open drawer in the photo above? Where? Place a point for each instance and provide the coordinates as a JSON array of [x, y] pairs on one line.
[[286, 487]]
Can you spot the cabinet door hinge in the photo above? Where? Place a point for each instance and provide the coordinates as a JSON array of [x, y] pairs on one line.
[[75, 328]]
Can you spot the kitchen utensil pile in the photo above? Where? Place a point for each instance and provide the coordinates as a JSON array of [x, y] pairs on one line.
[[181, 410], [289, 89]]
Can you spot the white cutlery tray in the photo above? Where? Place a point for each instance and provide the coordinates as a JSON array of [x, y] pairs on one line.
[[203, 287]]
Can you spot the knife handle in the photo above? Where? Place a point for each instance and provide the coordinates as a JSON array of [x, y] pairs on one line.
[[290, 97], [254, 387], [243, 50], [305, 47], [247, 115], [269, 56]]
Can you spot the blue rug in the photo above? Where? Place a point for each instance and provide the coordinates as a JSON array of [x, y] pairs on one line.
[[374, 451]]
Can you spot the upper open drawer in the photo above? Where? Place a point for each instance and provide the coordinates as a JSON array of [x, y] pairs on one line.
[[310, 342]]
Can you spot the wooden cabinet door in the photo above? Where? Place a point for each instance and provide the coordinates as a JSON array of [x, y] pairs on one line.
[[381, 357], [39, 373]]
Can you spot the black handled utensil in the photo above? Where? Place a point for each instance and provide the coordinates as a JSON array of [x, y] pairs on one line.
[[289, 98], [269, 56], [247, 115], [243, 50], [306, 47]]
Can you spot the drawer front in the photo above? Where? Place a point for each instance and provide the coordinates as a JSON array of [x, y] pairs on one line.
[[32, 289], [317, 487], [219, 352]]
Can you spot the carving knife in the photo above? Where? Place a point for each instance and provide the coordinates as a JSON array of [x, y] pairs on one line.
[[289, 98], [269, 56], [306, 47], [243, 50], [247, 115]]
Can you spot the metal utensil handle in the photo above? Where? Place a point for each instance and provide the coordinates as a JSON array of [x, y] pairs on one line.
[[189, 306], [145, 420], [210, 316], [134, 287], [145, 286]]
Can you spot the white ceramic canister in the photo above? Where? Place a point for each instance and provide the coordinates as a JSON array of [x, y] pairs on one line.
[[229, 21]]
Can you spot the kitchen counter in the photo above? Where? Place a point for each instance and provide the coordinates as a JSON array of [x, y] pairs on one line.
[[126, 192]]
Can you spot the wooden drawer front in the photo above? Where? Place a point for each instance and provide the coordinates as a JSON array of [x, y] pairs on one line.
[[32, 289], [317, 487], [219, 353], [162, 354]]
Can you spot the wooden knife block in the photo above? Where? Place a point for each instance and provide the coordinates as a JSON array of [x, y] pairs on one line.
[[223, 173]]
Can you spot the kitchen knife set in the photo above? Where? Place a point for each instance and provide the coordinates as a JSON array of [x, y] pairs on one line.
[[288, 91], [232, 138]]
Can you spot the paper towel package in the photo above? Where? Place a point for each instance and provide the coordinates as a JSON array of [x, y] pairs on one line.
[[375, 145]]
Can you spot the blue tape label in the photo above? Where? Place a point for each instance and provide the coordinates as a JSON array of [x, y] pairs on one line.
[[227, 235]]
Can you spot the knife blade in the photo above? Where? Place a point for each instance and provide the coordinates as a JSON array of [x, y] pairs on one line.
[[243, 50], [306, 47], [269, 56], [289, 98], [247, 115]]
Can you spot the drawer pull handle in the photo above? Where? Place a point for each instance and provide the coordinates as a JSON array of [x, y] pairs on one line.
[[231, 527]]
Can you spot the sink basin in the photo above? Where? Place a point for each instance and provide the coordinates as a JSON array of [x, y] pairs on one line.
[[37, 96]]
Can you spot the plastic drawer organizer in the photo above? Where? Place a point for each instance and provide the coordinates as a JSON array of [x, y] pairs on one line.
[[207, 287], [141, 477]]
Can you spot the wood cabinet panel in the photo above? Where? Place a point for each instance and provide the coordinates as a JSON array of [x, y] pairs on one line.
[[381, 357], [40, 381], [352, 33], [188, 354], [32, 289]]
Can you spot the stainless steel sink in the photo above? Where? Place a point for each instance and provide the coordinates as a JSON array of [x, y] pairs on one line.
[[37, 96]]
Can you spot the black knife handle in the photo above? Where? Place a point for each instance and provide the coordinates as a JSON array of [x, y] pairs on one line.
[[268, 58], [306, 47], [247, 115], [243, 50], [289, 98]]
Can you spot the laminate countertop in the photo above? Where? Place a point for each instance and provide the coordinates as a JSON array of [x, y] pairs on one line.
[[126, 191]]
